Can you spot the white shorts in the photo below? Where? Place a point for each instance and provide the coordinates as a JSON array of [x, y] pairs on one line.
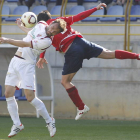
[[21, 74]]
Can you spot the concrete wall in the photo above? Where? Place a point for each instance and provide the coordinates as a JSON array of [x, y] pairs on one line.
[[109, 87]]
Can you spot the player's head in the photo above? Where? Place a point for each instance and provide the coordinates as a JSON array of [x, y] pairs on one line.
[[44, 15], [57, 26]]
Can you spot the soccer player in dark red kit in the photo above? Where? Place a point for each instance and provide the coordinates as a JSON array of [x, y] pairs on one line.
[[76, 49]]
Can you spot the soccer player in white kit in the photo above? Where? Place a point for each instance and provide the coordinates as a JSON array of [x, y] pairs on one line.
[[21, 71]]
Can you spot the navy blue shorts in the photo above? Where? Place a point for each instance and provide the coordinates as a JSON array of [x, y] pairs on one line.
[[79, 50]]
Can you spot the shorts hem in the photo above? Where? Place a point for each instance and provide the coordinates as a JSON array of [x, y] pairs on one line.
[[69, 73], [7, 84], [27, 88]]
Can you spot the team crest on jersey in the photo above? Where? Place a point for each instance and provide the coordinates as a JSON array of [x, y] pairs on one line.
[[39, 35]]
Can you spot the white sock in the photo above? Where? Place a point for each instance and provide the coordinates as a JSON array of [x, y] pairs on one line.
[[39, 105], [13, 110]]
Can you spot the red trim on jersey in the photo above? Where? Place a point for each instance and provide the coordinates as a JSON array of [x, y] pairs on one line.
[[42, 54], [17, 88], [31, 45], [45, 48], [46, 37], [19, 56]]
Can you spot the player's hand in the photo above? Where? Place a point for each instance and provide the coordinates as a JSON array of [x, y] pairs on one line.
[[40, 63], [3, 40], [18, 22], [101, 5]]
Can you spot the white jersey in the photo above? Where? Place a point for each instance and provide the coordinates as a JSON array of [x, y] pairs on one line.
[[39, 40]]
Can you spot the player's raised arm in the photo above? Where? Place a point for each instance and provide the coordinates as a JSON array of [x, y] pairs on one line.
[[85, 14], [20, 25]]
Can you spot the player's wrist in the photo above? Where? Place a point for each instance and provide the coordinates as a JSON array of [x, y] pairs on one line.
[[96, 8], [41, 57], [6, 40]]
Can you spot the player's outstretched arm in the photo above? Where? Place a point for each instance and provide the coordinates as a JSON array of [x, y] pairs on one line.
[[18, 43], [20, 25], [40, 63], [87, 13]]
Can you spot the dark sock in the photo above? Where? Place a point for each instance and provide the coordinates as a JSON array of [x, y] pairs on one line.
[[120, 54], [73, 94]]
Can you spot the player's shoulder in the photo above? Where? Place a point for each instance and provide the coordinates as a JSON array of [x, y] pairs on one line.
[[66, 19], [42, 23]]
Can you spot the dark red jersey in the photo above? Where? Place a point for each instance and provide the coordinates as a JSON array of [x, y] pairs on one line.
[[63, 40]]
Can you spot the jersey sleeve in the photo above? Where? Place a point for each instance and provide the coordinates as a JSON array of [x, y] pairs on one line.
[[41, 44], [42, 54], [70, 20]]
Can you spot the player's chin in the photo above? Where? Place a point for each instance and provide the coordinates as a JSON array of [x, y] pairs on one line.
[[49, 35]]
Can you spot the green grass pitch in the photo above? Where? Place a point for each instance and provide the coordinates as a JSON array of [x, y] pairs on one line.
[[73, 130]]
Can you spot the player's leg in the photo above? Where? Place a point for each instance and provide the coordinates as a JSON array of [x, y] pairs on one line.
[[13, 110], [40, 107], [73, 62], [74, 95], [118, 54], [38, 104], [107, 54], [12, 104], [72, 90], [10, 82], [27, 75]]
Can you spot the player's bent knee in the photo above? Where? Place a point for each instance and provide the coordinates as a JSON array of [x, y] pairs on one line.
[[107, 54], [9, 91], [64, 83], [29, 99], [8, 94], [30, 95]]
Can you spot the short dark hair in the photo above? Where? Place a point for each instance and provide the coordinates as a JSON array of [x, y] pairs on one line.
[[61, 24], [44, 15]]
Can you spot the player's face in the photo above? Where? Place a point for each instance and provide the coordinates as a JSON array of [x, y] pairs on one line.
[[52, 29]]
